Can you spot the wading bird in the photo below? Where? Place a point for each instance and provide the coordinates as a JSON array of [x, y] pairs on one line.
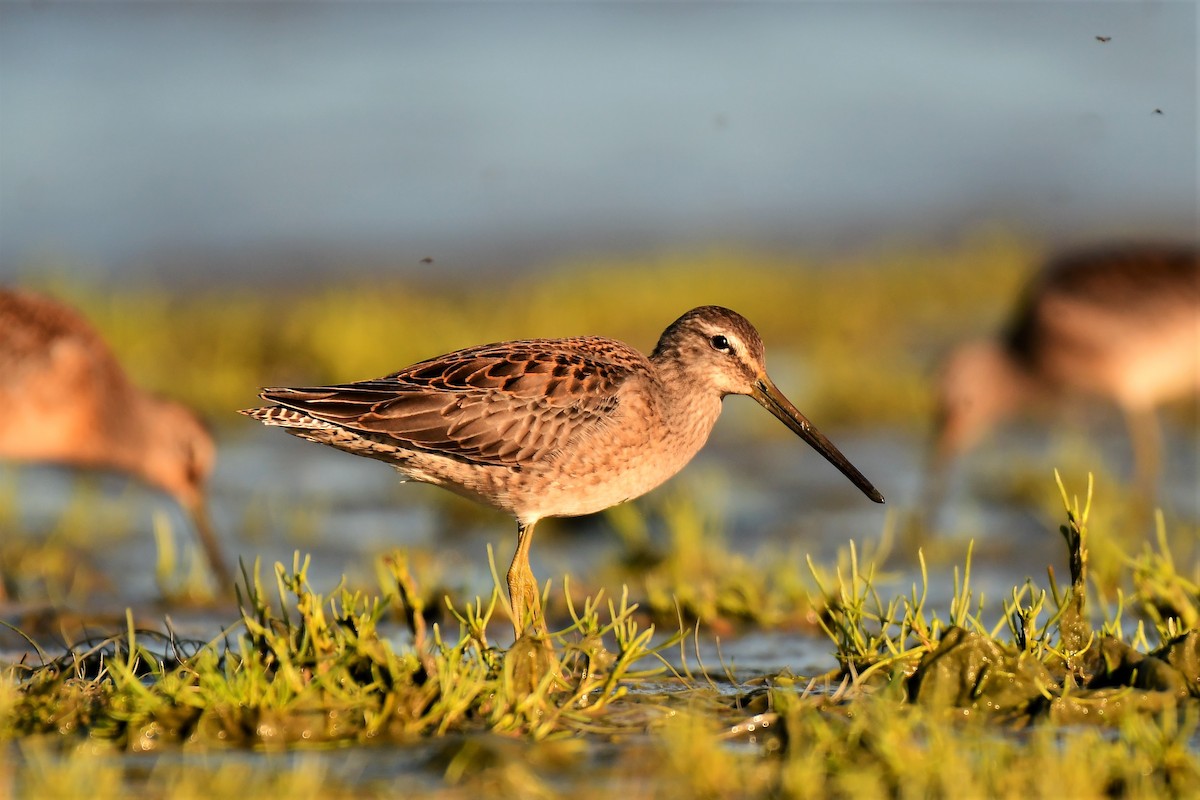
[[66, 400], [1120, 323], [550, 427]]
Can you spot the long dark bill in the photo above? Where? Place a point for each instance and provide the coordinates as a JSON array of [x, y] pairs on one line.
[[770, 398]]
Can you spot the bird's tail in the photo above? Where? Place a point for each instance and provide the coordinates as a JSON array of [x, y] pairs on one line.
[[284, 417]]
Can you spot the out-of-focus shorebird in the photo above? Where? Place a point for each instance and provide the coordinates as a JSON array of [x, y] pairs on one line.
[[65, 399], [1120, 323], [550, 427]]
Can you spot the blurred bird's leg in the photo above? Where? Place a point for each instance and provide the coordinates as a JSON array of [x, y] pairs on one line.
[[1146, 438], [211, 545], [922, 519]]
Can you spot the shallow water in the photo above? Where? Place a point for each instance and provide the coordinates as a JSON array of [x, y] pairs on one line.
[[273, 495]]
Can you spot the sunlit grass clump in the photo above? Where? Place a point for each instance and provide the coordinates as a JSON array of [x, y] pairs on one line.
[[925, 705], [1055, 663], [310, 669]]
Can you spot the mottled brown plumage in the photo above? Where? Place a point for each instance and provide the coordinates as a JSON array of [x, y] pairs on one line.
[[549, 427], [1120, 323], [67, 400]]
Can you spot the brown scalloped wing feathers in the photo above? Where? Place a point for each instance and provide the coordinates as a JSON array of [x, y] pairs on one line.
[[510, 403]]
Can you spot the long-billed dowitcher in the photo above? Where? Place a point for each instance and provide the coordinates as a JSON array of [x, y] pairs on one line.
[[1119, 322], [66, 399], [550, 427]]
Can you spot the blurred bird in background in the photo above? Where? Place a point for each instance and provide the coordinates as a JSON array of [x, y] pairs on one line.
[[1120, 323], [66, 400]]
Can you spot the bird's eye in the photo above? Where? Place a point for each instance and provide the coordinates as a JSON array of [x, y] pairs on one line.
[[720, 343]]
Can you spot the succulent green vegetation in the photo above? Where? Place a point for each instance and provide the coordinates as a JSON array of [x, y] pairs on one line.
[[1062, 666], [1068, 688]]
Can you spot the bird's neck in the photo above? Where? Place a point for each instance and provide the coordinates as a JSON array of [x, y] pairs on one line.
[[1019, 386], [689, 407]]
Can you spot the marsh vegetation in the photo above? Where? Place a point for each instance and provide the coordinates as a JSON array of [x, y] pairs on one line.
[[707, 640]]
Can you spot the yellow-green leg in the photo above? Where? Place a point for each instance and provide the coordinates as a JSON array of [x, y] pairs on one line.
[[523, 587]]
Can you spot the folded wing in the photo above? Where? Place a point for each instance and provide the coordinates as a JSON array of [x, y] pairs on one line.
[[511, 404]]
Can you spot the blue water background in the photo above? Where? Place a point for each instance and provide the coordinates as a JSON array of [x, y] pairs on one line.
[[244, 139]]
